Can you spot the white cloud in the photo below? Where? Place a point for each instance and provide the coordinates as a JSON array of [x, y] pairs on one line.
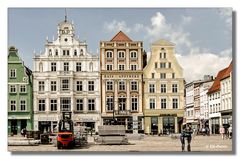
[[186, 19], [226, 15], [116, 26], [161, 29], [195, 66], [138, 27], [226, 52]]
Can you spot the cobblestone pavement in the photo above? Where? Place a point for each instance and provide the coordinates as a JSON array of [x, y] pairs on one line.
[[149, 143]]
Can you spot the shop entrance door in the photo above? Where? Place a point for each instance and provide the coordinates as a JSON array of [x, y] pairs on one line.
[[154, 125], [14, 127], [23, 124]]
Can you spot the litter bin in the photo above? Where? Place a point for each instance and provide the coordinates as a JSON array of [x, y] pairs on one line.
[[44, 138]]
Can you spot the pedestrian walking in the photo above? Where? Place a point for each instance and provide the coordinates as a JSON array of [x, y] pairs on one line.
[[222, 132], [186, 135], [207, 131], [230, 132]]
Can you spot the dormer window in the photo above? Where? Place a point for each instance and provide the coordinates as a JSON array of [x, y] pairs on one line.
[[75, 52], [66, 52], [56, 52]]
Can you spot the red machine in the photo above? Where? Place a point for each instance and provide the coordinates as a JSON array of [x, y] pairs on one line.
[[65, 137]]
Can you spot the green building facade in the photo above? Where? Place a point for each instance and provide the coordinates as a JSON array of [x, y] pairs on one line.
[[20, 94]]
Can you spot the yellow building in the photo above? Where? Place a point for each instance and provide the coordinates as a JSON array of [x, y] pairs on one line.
[[121, 63], [163, 90]]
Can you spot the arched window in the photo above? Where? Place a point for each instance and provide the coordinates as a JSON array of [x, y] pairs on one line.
[[90, 66]]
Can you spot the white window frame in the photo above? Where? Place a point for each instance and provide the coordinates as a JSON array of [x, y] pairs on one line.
[[121, 54], [174, 89], [13, 88], [13, 103], [122, 85], [23, 87], [78, 66], [79, 86], [91, 86], [75, 52], [25, 105], [65, 104], [109, 104], [121, 67], [65, 84], [53, 66], [150, 88], [79, 104], [13, 73], [162, 64], [91, 104], [175, 103], [134, 103], [163, 88], [109, 85], [41, 104], [163, 101], [41, 86], [132, 56], [53, 86], [152, 103], [109, 67], [65, 66], [133, 67], [53, 105], [109, 54], [134, 84]]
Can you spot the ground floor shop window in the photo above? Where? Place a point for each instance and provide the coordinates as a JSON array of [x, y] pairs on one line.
[[90, 126], [44, 126], [17, 125], [215, 125], [168, 125]]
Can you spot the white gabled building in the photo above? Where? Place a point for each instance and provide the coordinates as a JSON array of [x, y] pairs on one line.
[[204, 107], [66, 78], [226, 97]]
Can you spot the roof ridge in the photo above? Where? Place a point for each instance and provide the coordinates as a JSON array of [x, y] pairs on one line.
[[120, 36]]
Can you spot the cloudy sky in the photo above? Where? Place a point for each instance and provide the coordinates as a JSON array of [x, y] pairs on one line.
[[203, 37]]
